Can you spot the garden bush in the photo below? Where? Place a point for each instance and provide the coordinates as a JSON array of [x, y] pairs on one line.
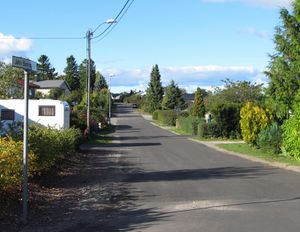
[[155, 115], [189, 124], [11, 163], [270, 138], [209, 130], [291, 135], [167, 117], [253, 120], [227, 117], [50, 144]]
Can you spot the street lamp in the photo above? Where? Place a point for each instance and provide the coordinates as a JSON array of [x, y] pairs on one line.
[[89, 35]]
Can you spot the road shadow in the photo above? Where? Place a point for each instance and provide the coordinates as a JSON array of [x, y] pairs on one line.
[[90, 195], [199, 174]]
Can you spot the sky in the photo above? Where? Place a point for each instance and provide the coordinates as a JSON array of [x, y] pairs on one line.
[[196, 43]]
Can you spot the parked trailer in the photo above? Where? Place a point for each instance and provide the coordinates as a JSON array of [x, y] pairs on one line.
[[47, 112]]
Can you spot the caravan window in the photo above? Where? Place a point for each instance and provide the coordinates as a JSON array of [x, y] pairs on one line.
[[7, 114], [46, 110]]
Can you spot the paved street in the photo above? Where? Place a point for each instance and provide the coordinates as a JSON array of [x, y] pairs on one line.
[[179, 185]]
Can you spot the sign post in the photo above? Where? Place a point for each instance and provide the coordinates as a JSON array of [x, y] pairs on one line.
[[28, 66]]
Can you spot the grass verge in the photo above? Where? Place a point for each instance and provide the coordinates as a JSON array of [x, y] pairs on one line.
[[246, 149], [102, 137]]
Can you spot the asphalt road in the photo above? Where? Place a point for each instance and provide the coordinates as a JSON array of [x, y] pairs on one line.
[[179, 185]]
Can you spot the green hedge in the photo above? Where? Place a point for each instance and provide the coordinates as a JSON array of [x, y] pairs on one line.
[[189, 124], [209, 130], [167, 117]]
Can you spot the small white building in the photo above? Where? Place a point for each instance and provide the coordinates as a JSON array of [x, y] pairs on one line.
[[46, 86], [47, 112]]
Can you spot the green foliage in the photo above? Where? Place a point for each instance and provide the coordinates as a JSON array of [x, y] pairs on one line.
[[50, 145], [238, 92], [155, 115], [56, 93], [253, 120], [227, 117], [209, 130], [284, 67], [83, 75], [72, 73], [167, 117], [154, 91], [11, 163], [45, 69], [270, 138], [189, 124], [198, 108], [135, 98], [9, 77], [291, 135], [173, 97], [100, 82]]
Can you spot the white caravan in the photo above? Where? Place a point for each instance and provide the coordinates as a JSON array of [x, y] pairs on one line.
[[47, 112]]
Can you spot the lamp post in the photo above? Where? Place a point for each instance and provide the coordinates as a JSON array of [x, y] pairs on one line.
[[89, 36]]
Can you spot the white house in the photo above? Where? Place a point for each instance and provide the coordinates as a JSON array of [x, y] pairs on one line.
[[53, 113]]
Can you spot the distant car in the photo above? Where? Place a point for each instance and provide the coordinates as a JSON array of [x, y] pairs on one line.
[[134, 105]]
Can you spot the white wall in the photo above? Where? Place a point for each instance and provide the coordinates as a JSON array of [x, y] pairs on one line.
[[60, 120]]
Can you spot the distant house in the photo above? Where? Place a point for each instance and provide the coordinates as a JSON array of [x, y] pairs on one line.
[[32, 88], [46, 86], [189, 97]]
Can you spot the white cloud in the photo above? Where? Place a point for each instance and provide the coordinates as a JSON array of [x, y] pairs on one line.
[[188, 77], [267, 3], [10, 45], [255, 32]]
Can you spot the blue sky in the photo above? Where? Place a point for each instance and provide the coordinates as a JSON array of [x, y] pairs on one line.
[[194, 42]]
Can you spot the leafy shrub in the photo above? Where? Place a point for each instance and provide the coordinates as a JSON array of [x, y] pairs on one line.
[[167, 117], [270, 138], [189, 124], [291, 135], [227, 117], [209, 130], [11, 163], [155, 115], [50, 145], [253, 120]]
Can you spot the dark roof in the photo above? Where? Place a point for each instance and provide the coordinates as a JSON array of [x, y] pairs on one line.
[[48, 84], [31, 85], [189, 96]]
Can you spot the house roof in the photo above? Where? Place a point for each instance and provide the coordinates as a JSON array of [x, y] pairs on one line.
[[30, 84], [49, 84], [189, 96]]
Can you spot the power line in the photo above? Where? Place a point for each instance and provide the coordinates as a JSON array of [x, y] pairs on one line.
[[43, 38], [113, 26], [120, 14]]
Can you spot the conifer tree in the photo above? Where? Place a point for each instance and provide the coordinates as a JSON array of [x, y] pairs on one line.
[[173, 97], [198, 108], [284, 67], [72, 73], [45, 71], [154, 91]]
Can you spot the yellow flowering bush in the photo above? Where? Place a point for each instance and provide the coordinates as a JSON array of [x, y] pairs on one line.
[[253, 120], [11, 163]]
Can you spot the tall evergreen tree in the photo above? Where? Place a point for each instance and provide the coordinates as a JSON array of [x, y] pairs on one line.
[[83, 75], [45, 71], [100, 82], [72, 73], [173, 98], [284, 68], [154, 91], [198, 108]]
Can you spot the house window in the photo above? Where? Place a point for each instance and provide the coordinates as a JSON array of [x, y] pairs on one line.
[[46, 110], [7, 114]]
